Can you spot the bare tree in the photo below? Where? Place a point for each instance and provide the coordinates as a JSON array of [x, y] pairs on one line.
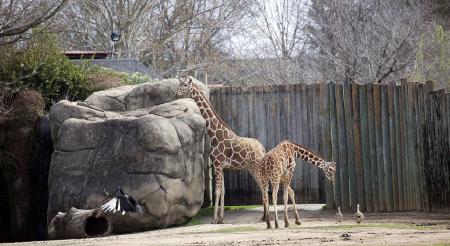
[[272, 48], [88, 24], [19, 16], [282, 23], [166, 34], [365, 41]]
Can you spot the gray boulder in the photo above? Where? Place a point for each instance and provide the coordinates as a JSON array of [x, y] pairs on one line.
[[136, 137]]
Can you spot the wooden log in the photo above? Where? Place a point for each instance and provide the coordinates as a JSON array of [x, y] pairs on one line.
[[404, 146], [393, 150], [373, 147], [419, 139], [417, 149], [326, 138], [365, 147], [80, 223], [296, 131], [399, 147], [409, 146], [350, 146], [335, 143], [307, 96], [342, 141], [358, 146], [316, 137], [446, 146], [386, 148], [379, 146]]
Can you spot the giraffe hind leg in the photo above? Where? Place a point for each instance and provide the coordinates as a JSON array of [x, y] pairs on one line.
[[292, 197], [266, 206], [285, 201], [263, 218], [274, 201]]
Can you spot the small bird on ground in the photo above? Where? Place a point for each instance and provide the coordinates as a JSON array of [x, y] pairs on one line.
[[358, 215], [346, 236], [339, 216], [122, 203]]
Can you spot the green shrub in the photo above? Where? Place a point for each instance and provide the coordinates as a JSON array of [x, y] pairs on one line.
[[43, 67], [433, 58]]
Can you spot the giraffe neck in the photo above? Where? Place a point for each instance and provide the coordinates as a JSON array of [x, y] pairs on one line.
[[307, 155], [214, 123]]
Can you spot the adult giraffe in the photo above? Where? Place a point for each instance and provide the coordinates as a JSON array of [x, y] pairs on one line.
[[228, 150]]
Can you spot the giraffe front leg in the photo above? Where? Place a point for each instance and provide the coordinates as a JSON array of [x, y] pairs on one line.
[[222, 204], [219, 184], [292, 196], [274, 201], [285, 201]]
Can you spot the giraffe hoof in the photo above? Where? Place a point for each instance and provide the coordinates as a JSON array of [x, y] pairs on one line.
[[220, 221], [298, 222], [214, 221], [286, 225], [269, 227]]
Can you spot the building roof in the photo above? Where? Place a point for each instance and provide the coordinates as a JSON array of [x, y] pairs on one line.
[[86, 54]]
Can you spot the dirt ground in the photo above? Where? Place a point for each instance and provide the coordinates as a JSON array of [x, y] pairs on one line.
[[318, 227]]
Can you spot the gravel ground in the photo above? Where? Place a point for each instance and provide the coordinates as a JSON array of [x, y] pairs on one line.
[[243, 227]]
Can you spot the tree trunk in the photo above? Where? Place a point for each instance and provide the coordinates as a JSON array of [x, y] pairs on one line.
[[79, 223]]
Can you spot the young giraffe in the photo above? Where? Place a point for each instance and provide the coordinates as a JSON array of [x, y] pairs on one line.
[[228, 150], [277, 166]]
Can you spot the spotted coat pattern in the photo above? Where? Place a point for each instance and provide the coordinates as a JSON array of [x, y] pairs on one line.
[[228, 150], [277, 167]]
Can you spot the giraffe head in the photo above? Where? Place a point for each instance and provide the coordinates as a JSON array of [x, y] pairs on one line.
[[330, 170], [186, 86]]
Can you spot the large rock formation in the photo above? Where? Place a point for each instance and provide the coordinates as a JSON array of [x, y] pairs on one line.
[[136, 137]]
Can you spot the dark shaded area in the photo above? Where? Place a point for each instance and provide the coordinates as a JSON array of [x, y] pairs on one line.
[[96, 226], [23, 181], [436, 137], [39, 178], [4, 211]]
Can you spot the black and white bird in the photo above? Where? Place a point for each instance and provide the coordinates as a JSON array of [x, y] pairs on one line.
[[122, 203]]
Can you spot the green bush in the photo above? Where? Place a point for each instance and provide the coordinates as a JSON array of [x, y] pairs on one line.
[[42, 66]]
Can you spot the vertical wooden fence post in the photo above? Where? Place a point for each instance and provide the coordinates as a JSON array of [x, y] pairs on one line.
[[365, 147], [379, 146], [326, 138], [335, 143], [350, 145], [342, 140], [387, 164], [373, 147], [358, 145]]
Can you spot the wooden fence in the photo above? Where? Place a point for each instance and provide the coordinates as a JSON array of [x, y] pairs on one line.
[[390, 142]]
